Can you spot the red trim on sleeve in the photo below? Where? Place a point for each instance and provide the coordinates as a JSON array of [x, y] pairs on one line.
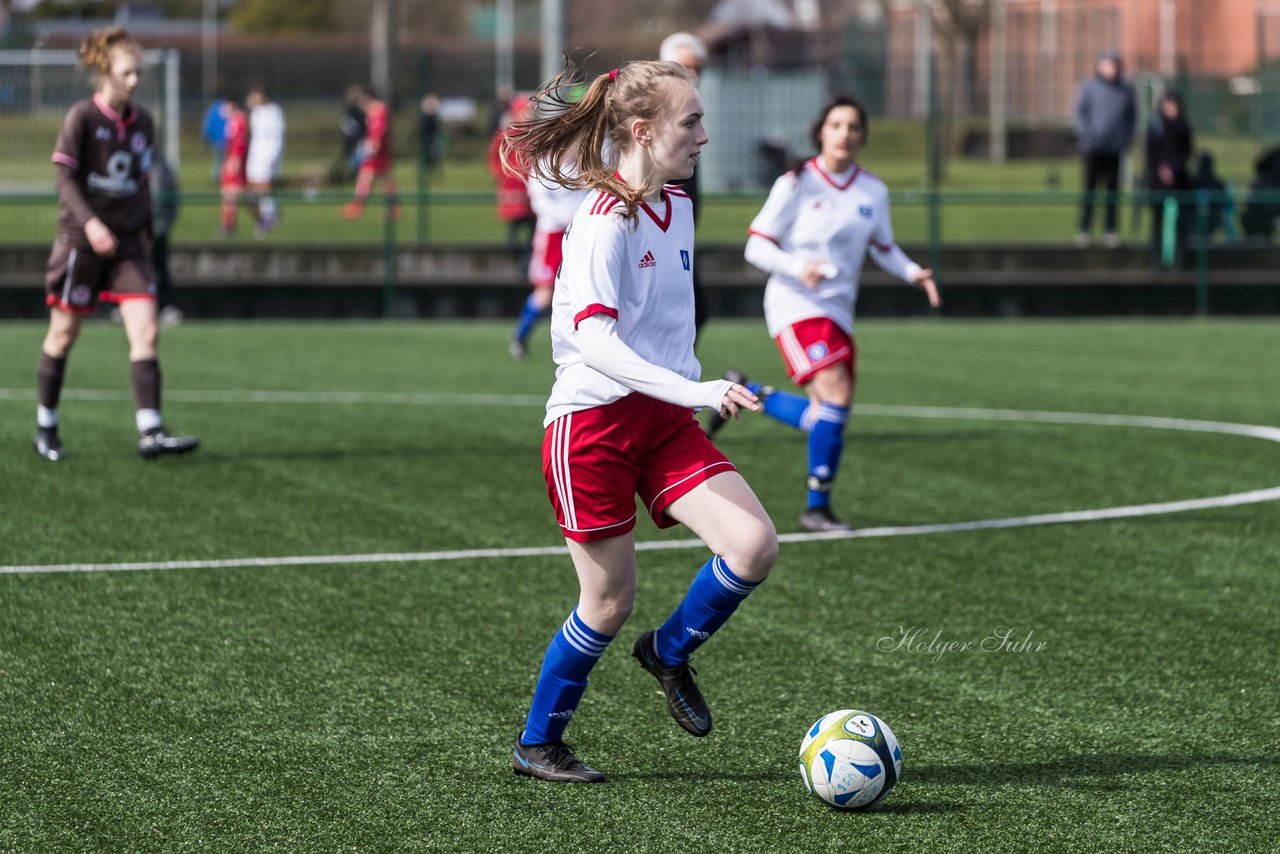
[[883, 247], [66, 160], [751, 232], [594, 308], [604, 203]]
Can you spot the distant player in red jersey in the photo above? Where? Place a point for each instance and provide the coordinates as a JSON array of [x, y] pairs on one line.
[[102, 159], [620, 418], [375, 158], [232, 179], [510, 172]]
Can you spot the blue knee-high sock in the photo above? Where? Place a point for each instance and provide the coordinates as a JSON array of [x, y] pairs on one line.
[[714, 595], [528, 317], [791, 409], [826, 441], [569, 659]]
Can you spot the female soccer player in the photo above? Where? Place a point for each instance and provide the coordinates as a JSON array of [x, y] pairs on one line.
[[620, 417], [102, 157], [375, 159], [554, 207], [266, 150], [232, 180], [811, 236]]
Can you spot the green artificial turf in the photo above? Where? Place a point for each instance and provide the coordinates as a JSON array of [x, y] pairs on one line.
[[370, 706]]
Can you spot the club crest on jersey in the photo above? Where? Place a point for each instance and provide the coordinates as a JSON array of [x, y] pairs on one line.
[[684, 259], [865, 210], [817, 351], [138, 143], [648, 261]]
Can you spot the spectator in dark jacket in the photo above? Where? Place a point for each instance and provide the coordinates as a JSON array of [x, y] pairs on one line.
[[1105, 113], [1169, 147]]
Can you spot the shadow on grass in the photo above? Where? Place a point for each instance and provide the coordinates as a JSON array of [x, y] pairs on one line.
[[705, 776], [1084, 770]]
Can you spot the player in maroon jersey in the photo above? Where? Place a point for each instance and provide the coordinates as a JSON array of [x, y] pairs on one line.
[[102, 159]]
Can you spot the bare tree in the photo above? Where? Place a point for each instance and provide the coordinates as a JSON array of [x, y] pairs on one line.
[[960, 25]]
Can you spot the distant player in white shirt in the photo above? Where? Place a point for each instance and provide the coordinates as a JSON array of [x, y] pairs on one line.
[[812, 235], [554, 207], [620, 419], [266, 151]]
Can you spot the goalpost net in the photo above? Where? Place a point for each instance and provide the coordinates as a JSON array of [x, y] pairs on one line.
[[37, 87]]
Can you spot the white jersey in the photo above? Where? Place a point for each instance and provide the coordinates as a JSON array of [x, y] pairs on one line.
[[640, 275], [812, 214], [553, 205], [266, 143]]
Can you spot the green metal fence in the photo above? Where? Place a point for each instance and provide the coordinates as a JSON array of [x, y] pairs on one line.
[[1200, 228]]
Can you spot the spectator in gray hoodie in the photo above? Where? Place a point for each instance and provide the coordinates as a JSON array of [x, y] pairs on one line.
[[1105, 113]]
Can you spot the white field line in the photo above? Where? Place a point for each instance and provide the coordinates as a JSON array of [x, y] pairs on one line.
[[1270, 434], [407, 398]]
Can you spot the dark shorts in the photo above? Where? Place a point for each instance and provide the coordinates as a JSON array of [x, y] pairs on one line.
[[76, 279]]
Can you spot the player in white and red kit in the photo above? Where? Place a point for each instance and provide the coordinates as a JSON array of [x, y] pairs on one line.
[[554, 207], [818, 224], [620, 418], [266, 151]]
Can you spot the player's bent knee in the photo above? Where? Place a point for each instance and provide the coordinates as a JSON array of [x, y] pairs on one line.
[[607, 613], [754, 552]]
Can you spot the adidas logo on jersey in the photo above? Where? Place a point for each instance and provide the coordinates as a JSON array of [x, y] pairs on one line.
[[648, 261]]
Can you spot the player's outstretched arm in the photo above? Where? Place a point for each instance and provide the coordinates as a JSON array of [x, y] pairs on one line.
[[602, 350]]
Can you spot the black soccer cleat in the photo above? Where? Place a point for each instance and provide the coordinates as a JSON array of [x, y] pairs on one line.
[[684, 700], [48, 445], [155, 442], [553, 762], [518, 348], [818, 519]]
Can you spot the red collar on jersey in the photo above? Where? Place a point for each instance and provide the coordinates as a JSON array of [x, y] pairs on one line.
[[665, 222], [816, 164]]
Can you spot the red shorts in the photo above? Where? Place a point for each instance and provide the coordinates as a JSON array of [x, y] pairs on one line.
[[378, 164], [596, 461], [76, 279], [548, 252], [813, 344], [232, 176]]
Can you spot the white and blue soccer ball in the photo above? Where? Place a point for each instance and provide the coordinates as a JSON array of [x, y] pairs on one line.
[[850, 759]]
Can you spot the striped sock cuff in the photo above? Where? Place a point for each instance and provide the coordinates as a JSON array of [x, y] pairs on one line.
[[832, 413], [809, 418], [730, 582], [583, 638]]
